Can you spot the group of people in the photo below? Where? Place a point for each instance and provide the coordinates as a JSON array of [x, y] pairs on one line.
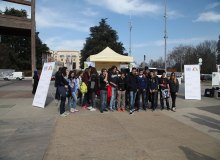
[[118, 91]]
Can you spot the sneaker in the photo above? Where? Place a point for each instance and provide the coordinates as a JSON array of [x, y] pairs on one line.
[[173, 109], [123, 109], [119, 110], [75, 110], [131, 112], [105, 110], [66, 113], [72, 110], [63, 115], [92, 109], [89, 108]]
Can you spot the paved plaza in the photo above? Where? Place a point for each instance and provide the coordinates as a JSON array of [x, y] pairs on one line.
[[27, 132]]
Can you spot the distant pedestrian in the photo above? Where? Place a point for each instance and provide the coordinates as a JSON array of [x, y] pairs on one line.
[[174, 88], [36, 80]]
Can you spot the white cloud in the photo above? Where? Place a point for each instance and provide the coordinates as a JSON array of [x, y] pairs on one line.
[[126, 7], [56, 43], [213, 5], [47, 18], [208, 17], [89, 12], [172, 14], [186, 41]]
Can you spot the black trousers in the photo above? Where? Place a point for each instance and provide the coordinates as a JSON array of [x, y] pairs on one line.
[[153, 100], [173, 96], [62, 104]]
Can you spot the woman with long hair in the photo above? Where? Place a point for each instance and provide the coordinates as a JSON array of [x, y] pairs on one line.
[[62, 85], [174, 88], [72, 96]]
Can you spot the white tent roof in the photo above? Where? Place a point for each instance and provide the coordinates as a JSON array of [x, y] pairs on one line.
[[108, 55]]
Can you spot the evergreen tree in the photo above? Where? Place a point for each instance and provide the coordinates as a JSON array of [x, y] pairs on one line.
[[100, 37]]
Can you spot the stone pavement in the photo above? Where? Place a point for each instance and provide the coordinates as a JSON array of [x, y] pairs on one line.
[[118, 136], [28, 132]]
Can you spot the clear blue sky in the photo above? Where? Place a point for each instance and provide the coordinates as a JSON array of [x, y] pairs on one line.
[[64, 25]]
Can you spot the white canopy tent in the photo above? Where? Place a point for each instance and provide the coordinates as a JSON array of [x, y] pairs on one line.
[[108, 57]]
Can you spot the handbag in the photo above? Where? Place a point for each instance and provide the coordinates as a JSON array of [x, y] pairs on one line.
[[165, 93]]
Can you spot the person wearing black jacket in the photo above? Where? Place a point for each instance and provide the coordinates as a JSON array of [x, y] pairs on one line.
[[112, 78], [92, 88], [164, 91], [143, 85], [121, 92], [57, 96], [153, 90], [103, 80], [174, 88], [132, 83], [62, 86]]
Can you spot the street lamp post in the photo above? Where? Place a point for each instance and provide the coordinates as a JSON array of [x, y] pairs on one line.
[[165, 34]]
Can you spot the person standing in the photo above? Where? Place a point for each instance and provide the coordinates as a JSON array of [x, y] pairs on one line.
[[113, 83], [62, 86], [174, 88], [92, 89], [153, 90], [142, 87], [103, 80], [164, 91], [72, 98], [157, 79], [132, 83], [36, 80], [121, 83]]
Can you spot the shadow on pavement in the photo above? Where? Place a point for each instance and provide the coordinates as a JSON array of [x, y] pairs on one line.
[[211, 109], [194, 155], [205, 120]]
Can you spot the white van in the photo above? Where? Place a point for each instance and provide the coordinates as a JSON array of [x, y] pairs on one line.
[[14, 75]]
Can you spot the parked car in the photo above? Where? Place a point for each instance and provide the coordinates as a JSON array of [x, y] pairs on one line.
[[14, 75]]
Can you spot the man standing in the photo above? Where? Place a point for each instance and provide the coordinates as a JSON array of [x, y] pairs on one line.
[[132, 87]]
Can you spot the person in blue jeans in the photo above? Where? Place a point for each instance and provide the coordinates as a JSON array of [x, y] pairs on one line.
[[112, 78], [153, 90], [132, 83], [72, 98], [142, 88], [103, 81]]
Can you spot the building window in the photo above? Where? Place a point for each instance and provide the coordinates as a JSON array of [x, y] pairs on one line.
[[62, 60]]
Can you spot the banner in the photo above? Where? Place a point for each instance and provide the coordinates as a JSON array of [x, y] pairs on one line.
[[218, 68], [43, 85], [215, 78], [192, 82]]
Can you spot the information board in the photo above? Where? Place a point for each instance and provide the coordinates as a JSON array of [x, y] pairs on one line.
[[192, 82], [43, 85]]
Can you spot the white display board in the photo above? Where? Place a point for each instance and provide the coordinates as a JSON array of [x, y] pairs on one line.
[[215, 78], [87, 64], [192, 82], [43, 85]]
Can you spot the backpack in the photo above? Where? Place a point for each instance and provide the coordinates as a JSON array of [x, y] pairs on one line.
[[83, 88]]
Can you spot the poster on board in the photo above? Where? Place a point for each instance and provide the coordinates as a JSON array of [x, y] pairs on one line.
[[192, 82], [215, 78], [43, 85], [88, 64]]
